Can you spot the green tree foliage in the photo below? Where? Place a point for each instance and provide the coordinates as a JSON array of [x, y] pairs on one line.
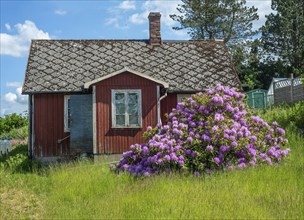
[[229, 20], [255, 68], [283, 33], [13, 121]]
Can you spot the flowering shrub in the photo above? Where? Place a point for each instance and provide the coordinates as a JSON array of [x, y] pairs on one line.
[[206, 132]]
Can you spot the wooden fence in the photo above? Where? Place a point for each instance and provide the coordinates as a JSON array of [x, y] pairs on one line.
[[288, 91]]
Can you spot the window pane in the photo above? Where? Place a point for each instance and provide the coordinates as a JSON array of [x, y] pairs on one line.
[[133, 119], [120, 120], [133, 97], [133, 103], [133, 109], [120, 103], [120, 108], [119, 98]]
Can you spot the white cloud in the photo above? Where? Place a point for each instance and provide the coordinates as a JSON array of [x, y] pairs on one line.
[[14, 102], [114, 21], [14, 84], [127, 5], [60, 12], [16, 97], [10, 97], [264, 8], [8, 27], [166, 8], [22, 99], [18, 45], [138, 18]]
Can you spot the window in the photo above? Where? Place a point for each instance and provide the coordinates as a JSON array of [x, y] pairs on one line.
[[67, 113], [126, 108], [180, 97]]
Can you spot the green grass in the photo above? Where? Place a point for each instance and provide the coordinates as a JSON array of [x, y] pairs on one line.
[[87, 191]]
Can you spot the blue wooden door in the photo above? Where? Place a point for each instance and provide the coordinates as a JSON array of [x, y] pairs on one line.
[[81, 128]]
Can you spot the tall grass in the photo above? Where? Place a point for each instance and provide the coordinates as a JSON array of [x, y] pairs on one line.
[[84, 190], [263, 192]]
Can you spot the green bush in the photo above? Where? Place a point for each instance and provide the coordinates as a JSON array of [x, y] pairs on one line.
[[285, 115], [17, 133], [10, 124], [17, 161]]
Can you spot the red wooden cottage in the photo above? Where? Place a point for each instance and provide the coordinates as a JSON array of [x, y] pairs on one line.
[[98, 96]]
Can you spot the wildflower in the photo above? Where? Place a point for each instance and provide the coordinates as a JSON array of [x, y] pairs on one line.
[[196, 173], [229, 167], [147, 174]]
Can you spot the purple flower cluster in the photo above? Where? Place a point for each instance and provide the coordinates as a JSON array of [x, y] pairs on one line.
[[207, 132]]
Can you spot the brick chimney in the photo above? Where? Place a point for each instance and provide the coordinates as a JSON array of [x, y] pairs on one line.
[[154, 26]]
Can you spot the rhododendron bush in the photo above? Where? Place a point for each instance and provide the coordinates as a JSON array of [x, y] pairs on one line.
[[209, 131]]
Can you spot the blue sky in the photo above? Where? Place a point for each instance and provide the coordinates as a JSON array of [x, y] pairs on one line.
[[21, 21]]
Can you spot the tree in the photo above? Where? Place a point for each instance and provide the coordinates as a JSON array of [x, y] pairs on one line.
[[10, 122], [229, 20], [283, 33]]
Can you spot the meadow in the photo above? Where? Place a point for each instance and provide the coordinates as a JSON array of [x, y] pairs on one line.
[[87, 190]]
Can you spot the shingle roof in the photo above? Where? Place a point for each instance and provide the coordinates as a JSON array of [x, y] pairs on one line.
[[66, 65]]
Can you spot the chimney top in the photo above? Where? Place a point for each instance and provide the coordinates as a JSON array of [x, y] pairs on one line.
[[154, 14], [154, 27]]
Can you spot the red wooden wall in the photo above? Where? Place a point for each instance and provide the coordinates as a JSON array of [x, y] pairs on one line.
[[118, 140], [166, 106], [49, 125]]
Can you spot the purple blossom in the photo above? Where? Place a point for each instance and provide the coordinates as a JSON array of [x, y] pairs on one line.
[[253, 138], [234, 144], [224, 148], [268, 160], [167, 157], [209, 148], [189, 139], [147, 174], [218, 120], [217, 160], [275, 124], [196, 173], [252, 163], [281, 131], [268, 137], [193, 154], [188, 152], [242, 165]]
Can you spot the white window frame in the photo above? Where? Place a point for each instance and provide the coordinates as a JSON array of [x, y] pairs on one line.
[[66, 113], [126, 91], [180, 97]]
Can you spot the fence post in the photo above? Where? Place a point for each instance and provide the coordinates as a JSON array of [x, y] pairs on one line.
[[291, 87]]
